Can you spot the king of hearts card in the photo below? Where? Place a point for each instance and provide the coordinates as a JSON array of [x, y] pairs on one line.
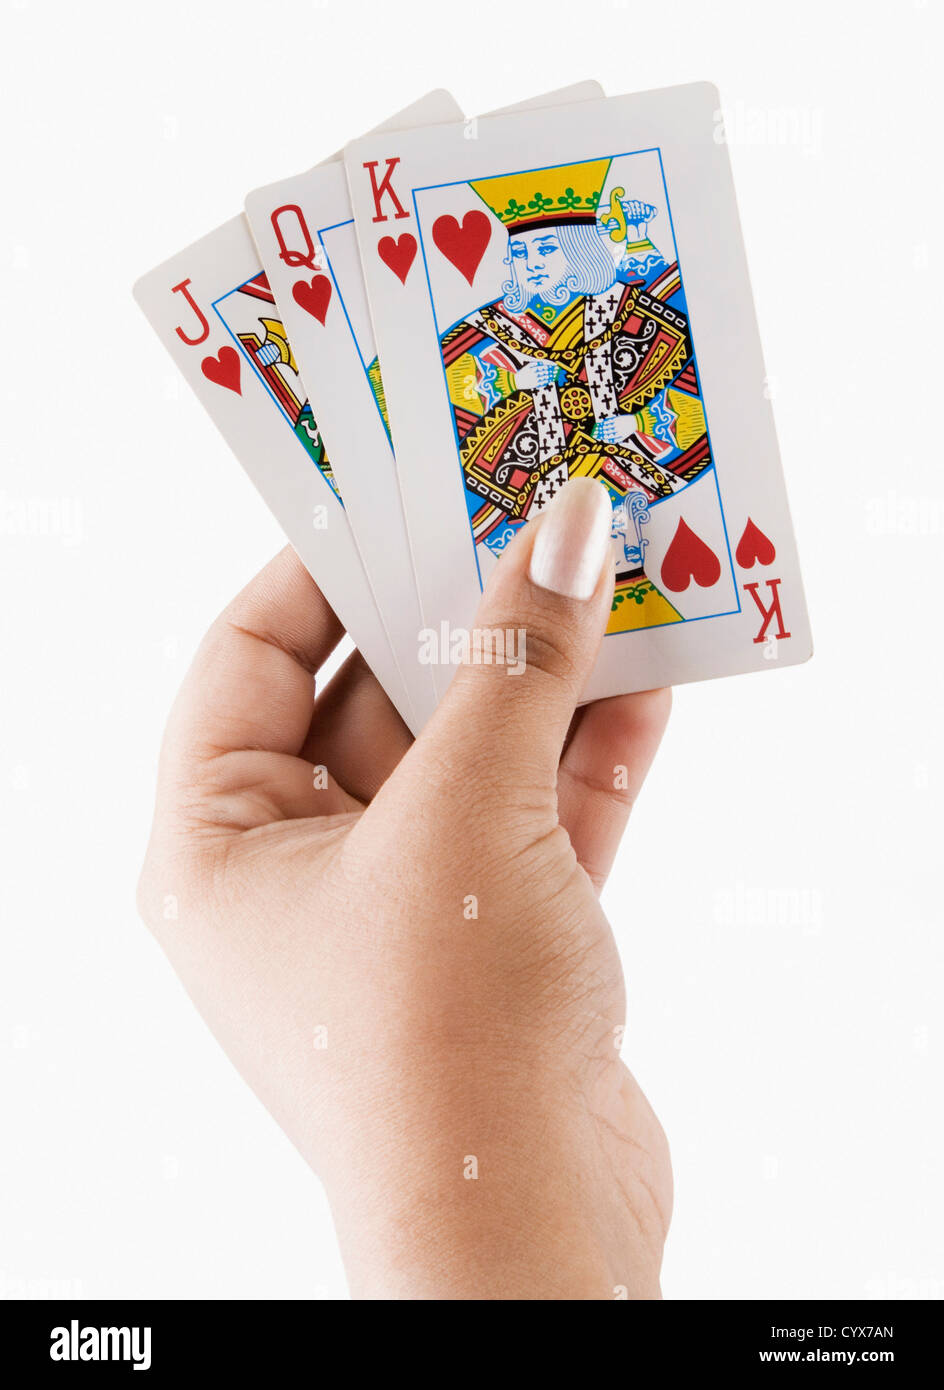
[[542, 318]]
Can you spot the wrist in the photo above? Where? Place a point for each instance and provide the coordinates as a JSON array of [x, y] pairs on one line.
[[508, 1203]]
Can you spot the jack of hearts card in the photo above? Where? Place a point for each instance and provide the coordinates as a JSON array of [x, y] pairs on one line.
[[212, 307]]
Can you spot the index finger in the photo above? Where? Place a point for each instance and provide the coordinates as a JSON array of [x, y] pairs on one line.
[[251, 685]]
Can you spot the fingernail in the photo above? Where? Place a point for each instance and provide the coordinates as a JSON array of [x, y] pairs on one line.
[[573, 540]]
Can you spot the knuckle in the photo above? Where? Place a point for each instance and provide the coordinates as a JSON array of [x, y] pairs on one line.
[[534, 641], [549, 652]]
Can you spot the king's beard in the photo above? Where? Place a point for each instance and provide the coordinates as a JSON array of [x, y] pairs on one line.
[[519, 294]]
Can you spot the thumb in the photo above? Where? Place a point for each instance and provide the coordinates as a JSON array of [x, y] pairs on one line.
[[543, 613]]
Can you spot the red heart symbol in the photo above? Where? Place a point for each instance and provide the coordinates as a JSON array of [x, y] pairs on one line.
[[223, 369], [398, 254], [754, 547], [689, 558], [313, 295], [464, 246]]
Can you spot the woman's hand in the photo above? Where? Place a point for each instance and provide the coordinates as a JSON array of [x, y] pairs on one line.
[[400, 946]]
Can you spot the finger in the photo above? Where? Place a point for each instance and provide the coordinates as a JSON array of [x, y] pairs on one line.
[[247, 788], [548, 598], [356, 731], [251, 685], [242, 715], [602, 771]]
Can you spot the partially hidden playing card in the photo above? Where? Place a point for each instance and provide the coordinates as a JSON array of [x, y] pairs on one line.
[[213, 309], [304, 230], [566, 293]]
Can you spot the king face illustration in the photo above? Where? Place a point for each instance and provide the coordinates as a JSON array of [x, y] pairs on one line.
[[583, 367]]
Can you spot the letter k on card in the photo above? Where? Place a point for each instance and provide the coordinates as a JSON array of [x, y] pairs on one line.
[[398, 252]]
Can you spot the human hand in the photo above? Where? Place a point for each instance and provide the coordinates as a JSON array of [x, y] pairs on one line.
[[535, 374], [638, 214], [406, 957], [615, 429]]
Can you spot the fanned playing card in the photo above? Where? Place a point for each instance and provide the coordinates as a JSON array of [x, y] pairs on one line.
[[566, 294], [304, 230], [214, 311]]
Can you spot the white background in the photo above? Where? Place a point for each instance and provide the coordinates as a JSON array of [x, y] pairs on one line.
[[777, 899]]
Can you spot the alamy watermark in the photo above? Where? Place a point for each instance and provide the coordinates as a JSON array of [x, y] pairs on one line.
[[58, 517], [744, 906], [477, 646], [904, 514], [743, 124]]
